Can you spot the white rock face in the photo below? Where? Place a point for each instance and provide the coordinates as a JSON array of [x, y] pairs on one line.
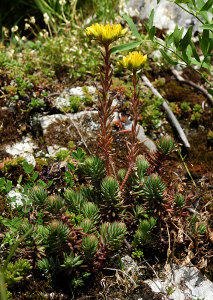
[[167, 14], [25, 148], [187, 282], [15, 193]]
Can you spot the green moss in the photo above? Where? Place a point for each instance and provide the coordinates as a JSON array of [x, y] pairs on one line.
[[41, 162], [175, 92]]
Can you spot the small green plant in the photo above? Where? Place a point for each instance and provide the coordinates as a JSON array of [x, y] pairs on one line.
[[22, 86], [15, 272], [71, 145], [169, 290], [151, 111], [36, 103], [197, 113], [196, 116], [87, 100], [138, 253], [75, 103], [62, 155], [185, 108], [197, 109]]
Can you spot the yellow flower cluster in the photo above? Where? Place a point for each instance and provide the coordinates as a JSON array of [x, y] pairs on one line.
[[106, 34], [134, 61]]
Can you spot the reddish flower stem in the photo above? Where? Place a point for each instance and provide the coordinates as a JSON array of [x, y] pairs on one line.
[[132, 148], [105, 139]]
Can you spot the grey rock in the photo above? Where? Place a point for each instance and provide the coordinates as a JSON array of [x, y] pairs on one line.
[[89, 129], [17, 192], [188, 283], [25, 148], [129, 263], [167, 14]]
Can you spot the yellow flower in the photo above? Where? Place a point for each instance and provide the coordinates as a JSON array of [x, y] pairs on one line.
[[134, 61], [106, 34]]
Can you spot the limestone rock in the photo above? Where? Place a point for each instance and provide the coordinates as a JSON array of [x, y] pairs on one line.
[[187, 283]]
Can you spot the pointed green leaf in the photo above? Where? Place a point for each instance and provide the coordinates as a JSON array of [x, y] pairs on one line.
[[207, 5], [193, 2], [186, 40], [206, 63], [125, 47], [186, 57], [151, 17], [176, 36], [195, 62], [152, 33], [196, 56], [170, 40], [71, 166], [200, 3], [133, 27], [189, 52], [203, 41], [181, 33], [146, 26], [167, 57], [207, 26], [20, 179], [67, 173], [35, 176]]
